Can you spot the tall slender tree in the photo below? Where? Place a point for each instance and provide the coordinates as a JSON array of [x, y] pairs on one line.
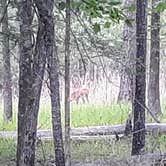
[[7, 77], [129, 37], [138, 142], [56, 113], [52, 64], [67, 86], [154, 70]]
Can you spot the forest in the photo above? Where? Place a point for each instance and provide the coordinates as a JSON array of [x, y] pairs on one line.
[[82, 83]]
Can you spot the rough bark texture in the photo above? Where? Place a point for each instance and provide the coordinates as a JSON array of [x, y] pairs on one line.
[[128, 125], [51, 52], [7, 78], [153, 88], [67, 86], [30, 81], [140, 82], [56, 113], [128, 72], [125, 88], [25, 80]]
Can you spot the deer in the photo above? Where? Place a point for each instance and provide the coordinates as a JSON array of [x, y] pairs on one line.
[[80, 93]]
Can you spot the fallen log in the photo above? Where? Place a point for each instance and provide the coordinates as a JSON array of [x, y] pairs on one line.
[[98, 130], [158, 128]]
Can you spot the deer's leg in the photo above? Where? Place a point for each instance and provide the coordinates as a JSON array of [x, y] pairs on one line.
[[77, 100], [83, 99], [87, 99]]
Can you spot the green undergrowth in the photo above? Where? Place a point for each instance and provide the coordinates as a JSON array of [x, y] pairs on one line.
[[86, 150], [94, 115], [81, 115]]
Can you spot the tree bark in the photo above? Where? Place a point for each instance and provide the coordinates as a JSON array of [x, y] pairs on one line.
[[55, 103], [127, 76], [7, 77], [30, 79], [67, 87], [154, 88], [138, 142], [51, 52], [125, 89], [25, 82]]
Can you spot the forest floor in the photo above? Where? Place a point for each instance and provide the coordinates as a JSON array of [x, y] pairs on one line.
[[105, 152], [139, 161]]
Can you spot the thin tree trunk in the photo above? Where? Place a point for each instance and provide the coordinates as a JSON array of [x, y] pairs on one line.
[[92, 72], [67, 87], [55, 103], [140, 82], [127, 76], [54, 86], [97, 75], [7, 78], [82, 70], [153, 88], [125, 88]]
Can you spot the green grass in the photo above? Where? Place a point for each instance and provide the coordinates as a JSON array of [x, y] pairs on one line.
[[91, 150], [81, 115], [7, 148], [84, 151], [99, 115]]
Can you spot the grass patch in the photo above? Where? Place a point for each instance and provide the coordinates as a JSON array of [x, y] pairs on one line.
[[101, 150], [81, 115], [92, 150], [99, 115], [7, 148], [8, 126]]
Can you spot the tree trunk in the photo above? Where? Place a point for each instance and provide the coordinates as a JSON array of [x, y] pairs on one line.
[[67, 87], [82, 70], [54, 86], [138, 142], [97, 75], [127, 76], [92, 72], [30, 79], [25, 84], [55, 103], [153, 88], [125, 85], [7, 78]]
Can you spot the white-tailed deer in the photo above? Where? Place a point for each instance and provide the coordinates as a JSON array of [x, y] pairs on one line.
[[78, 93]]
